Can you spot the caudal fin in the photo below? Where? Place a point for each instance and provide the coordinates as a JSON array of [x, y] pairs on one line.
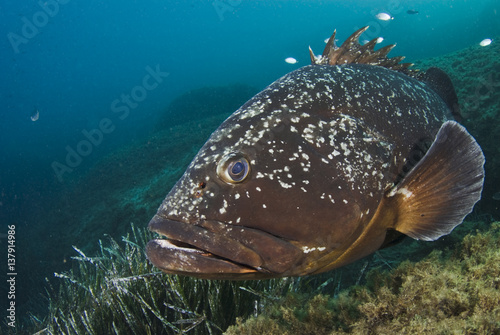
[[437, 194]]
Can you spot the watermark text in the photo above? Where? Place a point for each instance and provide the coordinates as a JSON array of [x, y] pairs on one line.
[[11, 275]]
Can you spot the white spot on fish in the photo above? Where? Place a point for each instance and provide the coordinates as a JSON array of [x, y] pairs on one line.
[[331, 198], [346, 150], [404, 191], [307, 249], [284, 185]]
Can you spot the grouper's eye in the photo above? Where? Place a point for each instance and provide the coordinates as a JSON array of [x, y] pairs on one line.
[[233, 168]]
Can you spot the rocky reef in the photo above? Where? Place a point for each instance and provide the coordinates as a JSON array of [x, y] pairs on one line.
[[475, 73], [449, 292], [454, 288]]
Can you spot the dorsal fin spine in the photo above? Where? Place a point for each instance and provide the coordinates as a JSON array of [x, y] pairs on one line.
[[351, 51]]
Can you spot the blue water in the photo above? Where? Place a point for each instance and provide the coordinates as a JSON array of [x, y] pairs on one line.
[[76, 61]]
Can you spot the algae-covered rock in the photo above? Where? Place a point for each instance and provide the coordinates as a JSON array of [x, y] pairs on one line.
[[456, 292], [475, 73]]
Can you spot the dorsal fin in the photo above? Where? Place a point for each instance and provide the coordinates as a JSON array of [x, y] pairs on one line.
[[352, 52], [439, 81]]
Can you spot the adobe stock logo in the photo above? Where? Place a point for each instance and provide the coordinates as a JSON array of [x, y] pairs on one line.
[[121, 109], [223, 6], [31, 28]]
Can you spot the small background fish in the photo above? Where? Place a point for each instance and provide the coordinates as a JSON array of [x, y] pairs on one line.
[[35, 115]]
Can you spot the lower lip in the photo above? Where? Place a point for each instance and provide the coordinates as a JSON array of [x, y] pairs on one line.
[[182, 260]]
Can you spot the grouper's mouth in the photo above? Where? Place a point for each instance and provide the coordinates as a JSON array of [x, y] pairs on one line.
[[216, 250]]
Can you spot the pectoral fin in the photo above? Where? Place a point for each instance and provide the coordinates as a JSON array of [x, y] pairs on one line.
[[437, 194]]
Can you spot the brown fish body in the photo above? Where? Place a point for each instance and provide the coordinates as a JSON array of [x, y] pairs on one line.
[[314, 171]]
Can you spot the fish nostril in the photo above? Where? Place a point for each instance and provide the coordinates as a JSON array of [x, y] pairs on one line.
[[199, 191]]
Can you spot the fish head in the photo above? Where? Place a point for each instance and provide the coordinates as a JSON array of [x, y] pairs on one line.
[[237, 212]]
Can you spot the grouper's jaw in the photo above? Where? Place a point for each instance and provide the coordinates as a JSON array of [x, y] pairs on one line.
[[172, 257], [215, 250]]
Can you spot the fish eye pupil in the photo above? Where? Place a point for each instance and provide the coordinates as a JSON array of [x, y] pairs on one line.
[[237, 168], [233, 168]]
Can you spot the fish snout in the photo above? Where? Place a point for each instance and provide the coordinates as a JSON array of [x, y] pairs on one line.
[[216, 250]]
